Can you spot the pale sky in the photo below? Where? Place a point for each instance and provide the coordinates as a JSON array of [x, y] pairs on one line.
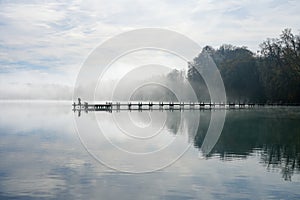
[[44, 43]]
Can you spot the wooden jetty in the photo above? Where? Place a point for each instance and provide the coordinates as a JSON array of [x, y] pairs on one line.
[[140, 106]]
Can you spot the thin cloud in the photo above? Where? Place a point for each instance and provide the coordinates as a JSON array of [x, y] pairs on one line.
[[56, 37]]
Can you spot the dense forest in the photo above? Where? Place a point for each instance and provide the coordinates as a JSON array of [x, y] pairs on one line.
[[270, 75]]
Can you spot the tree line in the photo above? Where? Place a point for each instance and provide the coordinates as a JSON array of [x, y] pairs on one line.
[[270, 75]]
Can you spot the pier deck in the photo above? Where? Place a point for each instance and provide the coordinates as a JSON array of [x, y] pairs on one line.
[[109, 106]]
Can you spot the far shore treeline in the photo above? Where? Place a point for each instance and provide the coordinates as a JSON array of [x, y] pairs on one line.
[[271, 74]]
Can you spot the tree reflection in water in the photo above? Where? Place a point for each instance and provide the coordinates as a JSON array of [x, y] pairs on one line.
[[273, 134]]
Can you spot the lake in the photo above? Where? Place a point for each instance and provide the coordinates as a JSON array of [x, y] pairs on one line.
[[48, 152]]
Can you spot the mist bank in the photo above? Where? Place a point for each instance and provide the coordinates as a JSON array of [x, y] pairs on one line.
[[271, 74], [34, 91]]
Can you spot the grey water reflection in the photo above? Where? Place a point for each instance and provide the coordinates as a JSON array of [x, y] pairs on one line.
[[271, 133], [256, 157]]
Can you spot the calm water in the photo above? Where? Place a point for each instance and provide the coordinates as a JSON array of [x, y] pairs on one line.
[[41, 157]]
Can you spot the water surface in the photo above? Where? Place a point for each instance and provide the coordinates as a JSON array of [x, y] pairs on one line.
[[256, 157]]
